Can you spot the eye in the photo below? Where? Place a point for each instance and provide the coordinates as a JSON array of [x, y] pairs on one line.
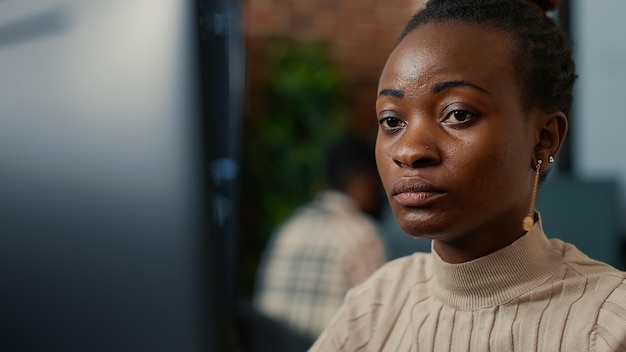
[[390, 123], [460, 117]]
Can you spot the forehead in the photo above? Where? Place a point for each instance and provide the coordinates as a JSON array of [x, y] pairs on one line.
[[451, 51]]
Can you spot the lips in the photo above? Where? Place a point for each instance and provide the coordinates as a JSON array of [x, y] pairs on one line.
[[415, 192]]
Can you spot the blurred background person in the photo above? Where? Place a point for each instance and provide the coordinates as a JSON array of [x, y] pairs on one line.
[[326, 246]]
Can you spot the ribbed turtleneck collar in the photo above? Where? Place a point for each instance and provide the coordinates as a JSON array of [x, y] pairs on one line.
[[498, 277]]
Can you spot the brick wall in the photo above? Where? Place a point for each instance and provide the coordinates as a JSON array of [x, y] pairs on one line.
[[361, 34]]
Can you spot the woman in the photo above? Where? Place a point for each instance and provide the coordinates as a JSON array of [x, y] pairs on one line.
[[472, 109]]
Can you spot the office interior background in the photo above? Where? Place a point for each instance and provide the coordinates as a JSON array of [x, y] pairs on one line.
[[139, 172]]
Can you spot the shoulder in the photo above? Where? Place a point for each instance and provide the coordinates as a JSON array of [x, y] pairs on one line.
[[580, 263], [605, 289], [374, 304], [395, 276], [387, 285], [609, 333]]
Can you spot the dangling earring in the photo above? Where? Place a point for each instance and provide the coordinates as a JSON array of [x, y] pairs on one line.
[[551, 159], [529, 220]]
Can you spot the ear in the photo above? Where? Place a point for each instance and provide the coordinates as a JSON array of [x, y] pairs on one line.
[[551, 131]]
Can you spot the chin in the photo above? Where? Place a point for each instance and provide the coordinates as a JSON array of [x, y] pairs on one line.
[[423, 224]]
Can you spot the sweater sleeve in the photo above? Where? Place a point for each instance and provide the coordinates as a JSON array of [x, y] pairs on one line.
[[610, 331]]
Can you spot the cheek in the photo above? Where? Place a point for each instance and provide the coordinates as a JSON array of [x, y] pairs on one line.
[[381, 160], [487, 162], [499, 171], [385, 178], [386, 169]]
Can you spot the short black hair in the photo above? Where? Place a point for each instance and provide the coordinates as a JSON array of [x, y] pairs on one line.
[[542, 57]]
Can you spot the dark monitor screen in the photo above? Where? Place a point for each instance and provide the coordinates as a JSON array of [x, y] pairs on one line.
[[102, 198]]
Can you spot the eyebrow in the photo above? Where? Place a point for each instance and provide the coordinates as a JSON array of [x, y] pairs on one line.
[[391, 93], [452, 84], [435, 89]]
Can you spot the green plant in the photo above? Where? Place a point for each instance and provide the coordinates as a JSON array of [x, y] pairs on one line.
[[285, 139]]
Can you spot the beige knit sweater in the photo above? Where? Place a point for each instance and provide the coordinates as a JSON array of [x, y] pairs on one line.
[[534, 295]]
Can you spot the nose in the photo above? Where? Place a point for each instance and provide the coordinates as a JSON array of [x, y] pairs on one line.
[[417, 147]]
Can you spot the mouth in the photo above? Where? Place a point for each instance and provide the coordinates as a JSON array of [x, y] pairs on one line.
[[415, 192]]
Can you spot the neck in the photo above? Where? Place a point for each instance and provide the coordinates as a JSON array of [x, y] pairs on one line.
[[481, 241], [498, 277]]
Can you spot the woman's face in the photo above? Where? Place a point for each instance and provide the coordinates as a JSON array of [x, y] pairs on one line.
[[454, 146]]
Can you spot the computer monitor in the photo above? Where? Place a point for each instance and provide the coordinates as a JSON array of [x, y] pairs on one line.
[[106, 202]]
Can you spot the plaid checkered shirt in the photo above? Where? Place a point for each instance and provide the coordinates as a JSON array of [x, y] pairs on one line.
[[325, 248]]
